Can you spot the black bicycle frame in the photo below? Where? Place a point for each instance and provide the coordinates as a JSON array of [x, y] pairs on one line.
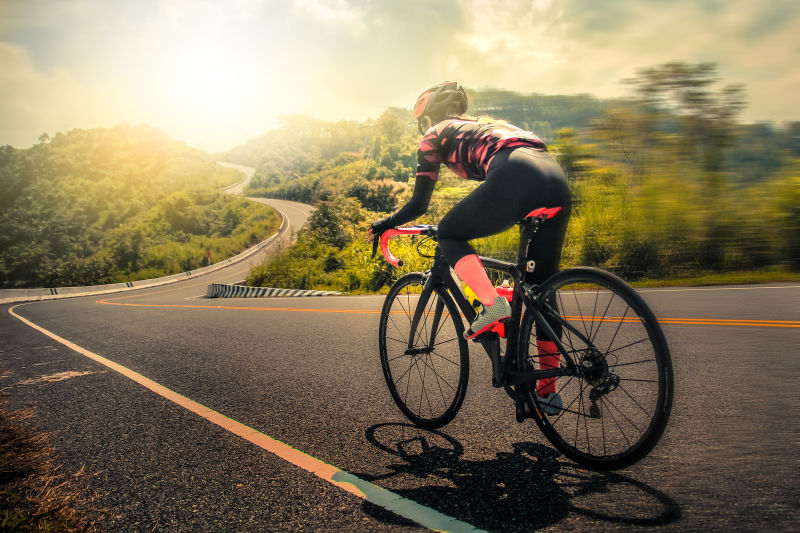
[[504, 371]]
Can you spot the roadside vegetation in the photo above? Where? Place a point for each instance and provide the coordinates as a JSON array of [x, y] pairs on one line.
[[668, 185], [111, 205], [35, 495]]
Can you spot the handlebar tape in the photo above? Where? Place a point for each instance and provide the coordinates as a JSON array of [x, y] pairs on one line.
[[385, 236], [388, 234]]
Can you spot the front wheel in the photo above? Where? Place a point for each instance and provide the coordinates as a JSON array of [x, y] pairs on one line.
[[426, 365], [615, 405]]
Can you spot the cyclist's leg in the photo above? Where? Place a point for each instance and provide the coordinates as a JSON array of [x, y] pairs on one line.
[[495, 205], [546, 253], [507, 194], [518, 181]]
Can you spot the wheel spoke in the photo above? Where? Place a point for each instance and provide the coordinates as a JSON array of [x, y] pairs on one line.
[[422, 393], [408, 381], [406, 307], [621, 412], [594, 313], [645, 411], [435, 373], [628, 346], [445, 358], [586, 430], [603, 429], [580, 314], [619, 325], [567, 330], [439, 376], [442, 322], [605, 312], [614, 418], [411, 365], [394, 323], [565, 410], [580, 409], [436, 377], [397, 340], [423, 321], [445, 342], [396, 357]]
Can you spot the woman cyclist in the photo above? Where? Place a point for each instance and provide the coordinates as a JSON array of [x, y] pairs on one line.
[[518, 176]]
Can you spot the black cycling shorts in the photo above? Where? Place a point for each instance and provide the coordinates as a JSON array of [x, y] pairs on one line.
[[518, 181]]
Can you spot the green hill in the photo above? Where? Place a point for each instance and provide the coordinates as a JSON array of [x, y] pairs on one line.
[[108, 205], [666, 183]]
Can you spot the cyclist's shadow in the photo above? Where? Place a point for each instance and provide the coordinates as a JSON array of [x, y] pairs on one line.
[[515, 491]]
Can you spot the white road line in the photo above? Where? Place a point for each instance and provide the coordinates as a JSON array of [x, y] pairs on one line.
[[717, 289]]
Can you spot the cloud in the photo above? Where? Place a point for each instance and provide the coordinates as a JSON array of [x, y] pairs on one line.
[[400, 49], [335, 12], [212, 73], [33, 102], [574, 46]]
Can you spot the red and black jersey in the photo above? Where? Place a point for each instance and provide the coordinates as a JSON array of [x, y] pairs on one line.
[[466, 147]]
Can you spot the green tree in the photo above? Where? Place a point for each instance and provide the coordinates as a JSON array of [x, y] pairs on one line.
[[684, 93], [327, 225]]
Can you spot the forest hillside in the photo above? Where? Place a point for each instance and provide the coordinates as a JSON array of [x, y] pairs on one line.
[[109, 205], [666, 182]]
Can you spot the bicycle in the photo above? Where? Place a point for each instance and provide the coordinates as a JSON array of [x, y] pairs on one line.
[[614, 371]]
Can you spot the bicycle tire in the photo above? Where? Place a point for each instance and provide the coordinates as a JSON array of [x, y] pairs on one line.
[[445, 364], [616, 408]]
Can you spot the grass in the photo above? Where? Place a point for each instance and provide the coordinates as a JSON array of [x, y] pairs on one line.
[[699, 280], [35, 495], [722, 278]]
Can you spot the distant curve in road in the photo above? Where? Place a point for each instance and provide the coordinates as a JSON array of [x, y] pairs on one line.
[[305, 372]]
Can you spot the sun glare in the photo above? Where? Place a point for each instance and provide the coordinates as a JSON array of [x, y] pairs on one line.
[[218, 86], [204, 79]]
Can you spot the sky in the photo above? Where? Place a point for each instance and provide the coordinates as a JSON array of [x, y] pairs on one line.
[[216, 74]]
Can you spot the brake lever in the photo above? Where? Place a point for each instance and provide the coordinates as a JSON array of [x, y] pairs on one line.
[[375, 241]]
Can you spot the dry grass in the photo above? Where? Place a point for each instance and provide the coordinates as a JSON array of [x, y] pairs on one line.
[[35, 494]]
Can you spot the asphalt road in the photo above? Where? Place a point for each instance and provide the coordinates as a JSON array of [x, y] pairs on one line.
[[305, 371]]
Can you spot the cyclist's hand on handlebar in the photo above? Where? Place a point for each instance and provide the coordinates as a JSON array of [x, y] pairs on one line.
[[376, 229], [379, 226]]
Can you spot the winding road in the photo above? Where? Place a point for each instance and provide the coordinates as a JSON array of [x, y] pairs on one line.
[[192, 414]]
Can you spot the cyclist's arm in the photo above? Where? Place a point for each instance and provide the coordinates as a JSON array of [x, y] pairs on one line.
[[429, 159], [417, 205], [427, 174]]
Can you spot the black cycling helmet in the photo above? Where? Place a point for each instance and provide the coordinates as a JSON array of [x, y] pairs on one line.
[[440, 100]]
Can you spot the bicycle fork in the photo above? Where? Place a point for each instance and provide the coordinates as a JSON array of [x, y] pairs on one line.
[[422, 305]]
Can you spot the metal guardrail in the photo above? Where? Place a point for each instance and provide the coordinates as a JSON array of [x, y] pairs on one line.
[[222, 290], [53, 293]]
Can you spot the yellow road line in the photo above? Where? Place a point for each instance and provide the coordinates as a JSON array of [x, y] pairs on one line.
[[679, 321], [695, 321], [391, 501], [246, 308]]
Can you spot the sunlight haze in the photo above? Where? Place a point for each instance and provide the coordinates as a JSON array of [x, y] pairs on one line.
[[215, 74]]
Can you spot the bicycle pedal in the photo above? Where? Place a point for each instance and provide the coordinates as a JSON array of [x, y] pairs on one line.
[[522, 413]]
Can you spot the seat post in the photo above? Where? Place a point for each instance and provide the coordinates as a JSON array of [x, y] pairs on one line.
[[526, 231]]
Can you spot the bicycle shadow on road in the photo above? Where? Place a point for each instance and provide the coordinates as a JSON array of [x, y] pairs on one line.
[[522, 490]]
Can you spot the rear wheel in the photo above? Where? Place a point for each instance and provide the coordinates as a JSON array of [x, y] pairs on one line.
[[427, 367], [615, 407]]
